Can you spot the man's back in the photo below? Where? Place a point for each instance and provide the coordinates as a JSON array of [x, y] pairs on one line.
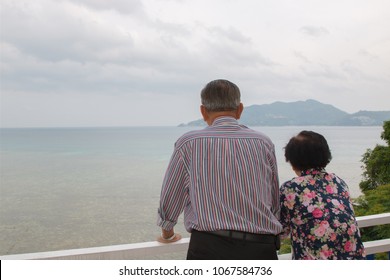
[[232, 178]]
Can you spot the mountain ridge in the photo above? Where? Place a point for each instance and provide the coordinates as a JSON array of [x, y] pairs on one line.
[[300, 113]]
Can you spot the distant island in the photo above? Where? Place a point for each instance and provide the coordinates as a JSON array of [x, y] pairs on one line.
[[299, 113]]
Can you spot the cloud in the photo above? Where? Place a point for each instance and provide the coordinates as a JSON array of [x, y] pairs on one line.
[[314, 31], [70, 49], [65, 33], [302, 57], [323, 71], [127, 7], [82, 51], [119, 51]]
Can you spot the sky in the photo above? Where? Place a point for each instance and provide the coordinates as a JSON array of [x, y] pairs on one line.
[[77, 63]]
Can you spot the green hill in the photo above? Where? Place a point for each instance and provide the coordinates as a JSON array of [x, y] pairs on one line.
[[300, 113]]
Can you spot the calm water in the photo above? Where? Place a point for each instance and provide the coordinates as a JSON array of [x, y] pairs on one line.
[[74, 188]]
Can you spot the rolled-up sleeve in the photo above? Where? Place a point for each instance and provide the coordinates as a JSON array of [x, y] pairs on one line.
[[174, 192]]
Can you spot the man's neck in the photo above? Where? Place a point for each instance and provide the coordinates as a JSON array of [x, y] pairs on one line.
[[209, 117], [214, 115]]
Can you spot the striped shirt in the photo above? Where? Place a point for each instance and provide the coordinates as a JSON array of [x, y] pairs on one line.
[[224, 177]]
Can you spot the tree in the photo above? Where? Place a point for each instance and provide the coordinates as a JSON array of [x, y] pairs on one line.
[[376, 168], [386, 132], [374, 201], [376, 188]]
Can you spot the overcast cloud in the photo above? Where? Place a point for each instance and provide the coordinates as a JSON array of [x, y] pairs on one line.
[[144, 62]]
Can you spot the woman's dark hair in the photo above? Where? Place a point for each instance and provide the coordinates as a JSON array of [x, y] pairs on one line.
[[308, 150]]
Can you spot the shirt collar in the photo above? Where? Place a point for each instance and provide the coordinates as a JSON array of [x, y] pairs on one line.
[[225, 120], [313, 171]]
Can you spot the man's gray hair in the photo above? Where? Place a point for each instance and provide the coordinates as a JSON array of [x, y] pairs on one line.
[[220, 95]]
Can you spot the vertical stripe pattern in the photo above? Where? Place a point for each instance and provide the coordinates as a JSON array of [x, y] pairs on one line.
[[223, 177]]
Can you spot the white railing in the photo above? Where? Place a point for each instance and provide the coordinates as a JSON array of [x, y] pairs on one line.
[[147, 249]]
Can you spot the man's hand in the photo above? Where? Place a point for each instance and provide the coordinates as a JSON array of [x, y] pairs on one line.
[[168, 236]]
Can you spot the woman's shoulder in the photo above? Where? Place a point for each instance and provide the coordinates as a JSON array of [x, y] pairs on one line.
[[298, 184]]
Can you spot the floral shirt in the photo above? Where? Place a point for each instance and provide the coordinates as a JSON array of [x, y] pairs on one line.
[[317, 213]]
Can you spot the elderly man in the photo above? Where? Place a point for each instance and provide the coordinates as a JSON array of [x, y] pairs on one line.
[[224, 178]]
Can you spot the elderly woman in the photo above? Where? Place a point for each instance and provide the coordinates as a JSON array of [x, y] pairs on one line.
[[316, 210]]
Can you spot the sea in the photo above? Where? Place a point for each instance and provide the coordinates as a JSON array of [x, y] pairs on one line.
[[68, 188]]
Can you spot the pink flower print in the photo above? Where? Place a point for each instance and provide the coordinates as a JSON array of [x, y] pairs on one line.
[[305, 202], [324, 224], [312, 194], [297, 221], [299, 180], [336, 211], [329, 189], [310, 208], [320, 231], [353, 245], [317, 213], [335, 202], [306, 198], [348, 246], [290, 200], [333, 237], [290, 196], [325, 252], [324, 255], [352, 229]]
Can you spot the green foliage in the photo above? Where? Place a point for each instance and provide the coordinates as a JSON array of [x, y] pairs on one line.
[[382, 256], [374, 201], [376, 168], [285, 246], [386, 132], [376, 188]]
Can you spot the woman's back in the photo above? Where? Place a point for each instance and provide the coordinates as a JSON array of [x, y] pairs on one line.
[[317, 212]]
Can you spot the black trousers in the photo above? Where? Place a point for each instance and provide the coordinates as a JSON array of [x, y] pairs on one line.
[[207, 246]]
